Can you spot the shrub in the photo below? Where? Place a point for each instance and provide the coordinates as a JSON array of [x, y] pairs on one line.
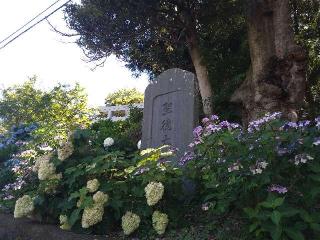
[[94, 187], [268, 174]]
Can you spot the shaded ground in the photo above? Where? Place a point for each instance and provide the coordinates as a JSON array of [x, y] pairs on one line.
[[26, 229]]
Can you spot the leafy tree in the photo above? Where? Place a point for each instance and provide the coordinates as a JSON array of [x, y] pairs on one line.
[[57, 112], [154, 35], [124, 97]]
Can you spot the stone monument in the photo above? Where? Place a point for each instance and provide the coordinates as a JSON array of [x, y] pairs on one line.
[[170, 110]]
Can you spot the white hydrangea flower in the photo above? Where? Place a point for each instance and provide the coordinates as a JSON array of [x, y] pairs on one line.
[[139, 145], [93, 185], [160, 222], [41, 159], [130, 222], [24, 206], [92, 215], [100, 197], [108, 142], [66, 149], [154, 192], [64, 223], [46, 170]]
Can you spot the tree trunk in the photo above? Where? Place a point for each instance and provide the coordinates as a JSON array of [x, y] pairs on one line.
[[201, 71], [203, 79], [276, 80]]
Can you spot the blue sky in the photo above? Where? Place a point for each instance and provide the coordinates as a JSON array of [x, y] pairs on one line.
[[44, 53]]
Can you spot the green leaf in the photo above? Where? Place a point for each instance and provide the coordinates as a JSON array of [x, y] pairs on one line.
[[209, 197], [315, 226], [250, 212], [272, 203], [277, 202], [276, 233], [74, 216], [294, 234], [253, 227], [289, 212], [306, 216], [276, 217]]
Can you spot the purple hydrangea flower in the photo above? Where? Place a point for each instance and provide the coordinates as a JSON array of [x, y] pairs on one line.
[[278, 188], [197, 131], [205, 120], [289, 125], [318, 122], [214, 118], [303, 124], [213, 128], [187, 157], [255, 125], [225, 124], [316, 141]]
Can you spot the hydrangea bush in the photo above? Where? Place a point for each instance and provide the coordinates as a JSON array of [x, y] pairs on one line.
[[262, 181], [96, 188], [268, 174]]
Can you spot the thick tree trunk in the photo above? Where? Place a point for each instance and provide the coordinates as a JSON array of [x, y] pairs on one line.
[[276, 80]]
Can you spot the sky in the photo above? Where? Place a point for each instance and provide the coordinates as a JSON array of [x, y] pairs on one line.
[[52, 58]]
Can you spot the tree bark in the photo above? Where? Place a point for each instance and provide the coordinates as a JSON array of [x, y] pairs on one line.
[[276, 80], [199, 66], [202, 76]]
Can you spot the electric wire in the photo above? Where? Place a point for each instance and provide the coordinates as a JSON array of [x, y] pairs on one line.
[[33, 25]]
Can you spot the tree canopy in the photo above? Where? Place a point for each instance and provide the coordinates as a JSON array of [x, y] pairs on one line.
[[124, 96], [57, 111], [153, 36]]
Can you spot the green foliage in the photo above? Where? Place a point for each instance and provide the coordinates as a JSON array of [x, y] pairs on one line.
[[58, 111], [120, 176], [269, 175], [124, 97], [151, 36], [126, 133], [306, 19]]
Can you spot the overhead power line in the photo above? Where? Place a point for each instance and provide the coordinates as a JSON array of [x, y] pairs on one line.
[[33, 25], [29, 21]]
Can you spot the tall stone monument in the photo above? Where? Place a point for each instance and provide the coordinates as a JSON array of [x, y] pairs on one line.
[[170, 110]]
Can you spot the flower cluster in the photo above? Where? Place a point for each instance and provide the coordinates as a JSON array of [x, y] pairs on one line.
[[93, 185], [210, 126], [108, 142], [100, 198], [160, 222], [154, 192], [317, 120], [130, 222], [234, 167], [24, 206], [47, 170], [40, 159], [187, 157], [139, 145], [66, 149], [64, 223], [256, 125], [302, 158], [92, 215], [258, 167], [277, 188]]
